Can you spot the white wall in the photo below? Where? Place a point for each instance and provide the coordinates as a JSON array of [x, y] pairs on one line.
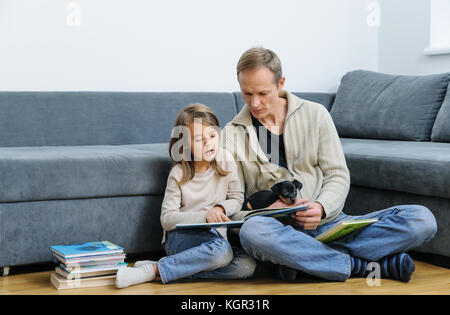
[[404, 34], [179, 45]]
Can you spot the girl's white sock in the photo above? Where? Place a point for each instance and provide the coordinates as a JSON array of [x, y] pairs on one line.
[[127, 276], [143, 262]]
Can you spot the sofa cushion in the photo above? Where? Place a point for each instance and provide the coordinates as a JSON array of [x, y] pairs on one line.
[[98, 118], [326, 99], [441, 128], [421, 168], [70, 172], [383, 106]]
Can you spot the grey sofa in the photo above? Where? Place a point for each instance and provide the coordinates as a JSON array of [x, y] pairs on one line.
[[83, 166], [395, 131]]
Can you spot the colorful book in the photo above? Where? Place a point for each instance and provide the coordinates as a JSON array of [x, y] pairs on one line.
[[342, 229], [86, 249], [61, 283], [72, 266], [76, 274], [87, 269], [90, 260], [239, 218]]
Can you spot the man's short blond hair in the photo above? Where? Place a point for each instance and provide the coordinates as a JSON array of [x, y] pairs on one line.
[[260, 57]]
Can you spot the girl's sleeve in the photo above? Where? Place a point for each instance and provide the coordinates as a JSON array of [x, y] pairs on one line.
[[170, 209], [235, 193]]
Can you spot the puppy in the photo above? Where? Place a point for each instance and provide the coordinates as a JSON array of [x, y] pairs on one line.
[[286, 191]]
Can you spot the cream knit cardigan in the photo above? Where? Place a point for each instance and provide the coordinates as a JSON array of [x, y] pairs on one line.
[[313, 152]]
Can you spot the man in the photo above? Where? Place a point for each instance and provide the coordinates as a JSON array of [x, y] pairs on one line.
[[304, 145]]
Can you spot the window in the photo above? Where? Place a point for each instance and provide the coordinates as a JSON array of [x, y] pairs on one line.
[[439, 27]]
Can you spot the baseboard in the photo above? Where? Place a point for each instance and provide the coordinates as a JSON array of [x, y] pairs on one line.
[[145, 256], [438, 260], [21, 269]]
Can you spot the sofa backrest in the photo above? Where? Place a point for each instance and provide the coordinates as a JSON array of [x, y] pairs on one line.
[[326, 99], [441, 128], [382, 106], [98, 118]]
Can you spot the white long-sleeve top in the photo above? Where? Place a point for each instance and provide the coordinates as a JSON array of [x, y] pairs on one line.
[[189, 203]]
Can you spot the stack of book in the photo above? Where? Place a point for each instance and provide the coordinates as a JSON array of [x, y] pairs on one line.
[[86, 265]]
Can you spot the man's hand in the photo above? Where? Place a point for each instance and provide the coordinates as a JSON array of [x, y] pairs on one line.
[[309, 219], [281, 204], [216, 214]]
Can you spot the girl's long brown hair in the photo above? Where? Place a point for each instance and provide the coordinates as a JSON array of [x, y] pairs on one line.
[[184, 118]]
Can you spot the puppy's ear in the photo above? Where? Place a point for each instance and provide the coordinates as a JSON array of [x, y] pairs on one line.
[[297, 184], [276, 188]]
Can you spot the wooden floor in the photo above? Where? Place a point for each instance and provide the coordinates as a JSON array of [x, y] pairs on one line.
[[427, 279]]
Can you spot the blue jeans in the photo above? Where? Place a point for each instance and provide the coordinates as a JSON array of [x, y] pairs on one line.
[[203, 254], [399, 229]]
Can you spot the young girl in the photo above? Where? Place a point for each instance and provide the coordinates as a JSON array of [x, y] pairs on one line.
[[203, 186]]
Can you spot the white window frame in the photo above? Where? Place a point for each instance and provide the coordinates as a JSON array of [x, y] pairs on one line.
[[439, 28]]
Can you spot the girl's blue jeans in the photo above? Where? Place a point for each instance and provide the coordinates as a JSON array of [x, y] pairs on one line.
[[203, 253], [399, 229]]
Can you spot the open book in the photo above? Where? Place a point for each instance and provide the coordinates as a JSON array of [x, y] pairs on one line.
[[335, 232], [239, 218], [342, 229]]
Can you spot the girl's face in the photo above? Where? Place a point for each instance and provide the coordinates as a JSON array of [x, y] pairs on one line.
[[204, 142]]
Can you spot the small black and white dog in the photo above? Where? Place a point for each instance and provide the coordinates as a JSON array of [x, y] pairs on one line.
[[286, 191]]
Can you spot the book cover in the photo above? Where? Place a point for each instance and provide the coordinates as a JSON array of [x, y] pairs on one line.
[[87, 274], [89, 260], [86, 249], [61, 283], [342, 229], [93, 268], [239, 218], [275, 212], [76, 265]]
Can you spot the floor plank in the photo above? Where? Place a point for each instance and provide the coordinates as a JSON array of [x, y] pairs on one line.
[[427, 279]]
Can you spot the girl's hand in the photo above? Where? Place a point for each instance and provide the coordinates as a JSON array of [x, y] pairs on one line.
[[216, 214]]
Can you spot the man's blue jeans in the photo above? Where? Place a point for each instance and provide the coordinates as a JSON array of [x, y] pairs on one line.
[[399, 229], [202, 253]]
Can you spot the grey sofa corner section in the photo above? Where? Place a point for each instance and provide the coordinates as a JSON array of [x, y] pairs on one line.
[[441, 128], [326, 99], [386, 124], [393, 107]]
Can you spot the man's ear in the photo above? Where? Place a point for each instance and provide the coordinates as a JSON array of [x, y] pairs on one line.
[[297, 184], [281, 83]]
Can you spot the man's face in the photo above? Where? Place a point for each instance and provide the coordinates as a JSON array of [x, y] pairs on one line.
[[260, 91]]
